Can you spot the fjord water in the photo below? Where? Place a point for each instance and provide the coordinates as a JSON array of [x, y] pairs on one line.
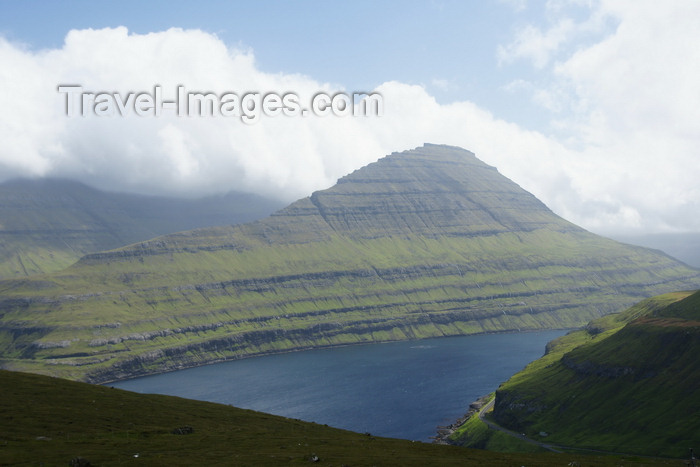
[[399, 389]]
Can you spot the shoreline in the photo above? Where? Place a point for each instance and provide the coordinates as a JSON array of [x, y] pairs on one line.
[[109, 381], [445, 431]]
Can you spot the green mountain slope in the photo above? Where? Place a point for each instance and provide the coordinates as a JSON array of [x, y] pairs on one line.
[[47, 225], [626, 383], [424, 243], [49, 421]]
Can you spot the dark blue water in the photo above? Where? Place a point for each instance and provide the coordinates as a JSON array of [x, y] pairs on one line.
[[400, 389]]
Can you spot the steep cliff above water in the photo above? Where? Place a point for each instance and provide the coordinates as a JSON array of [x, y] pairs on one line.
[[628, 382]]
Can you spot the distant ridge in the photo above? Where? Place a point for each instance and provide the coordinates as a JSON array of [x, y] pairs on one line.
[[48, 224], [684, 246], [423, 243]]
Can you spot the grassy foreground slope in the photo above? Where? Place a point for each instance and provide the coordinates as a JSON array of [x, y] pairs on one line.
[[47, 225], [628, 382], [424, 243], [48, 421]]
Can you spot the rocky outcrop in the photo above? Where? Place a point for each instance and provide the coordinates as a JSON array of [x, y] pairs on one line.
[[444, 433], [589, 368]]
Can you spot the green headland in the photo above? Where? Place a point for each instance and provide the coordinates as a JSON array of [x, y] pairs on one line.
[[626, 383]]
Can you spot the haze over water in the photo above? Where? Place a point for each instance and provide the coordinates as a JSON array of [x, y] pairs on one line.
[[399, 389]]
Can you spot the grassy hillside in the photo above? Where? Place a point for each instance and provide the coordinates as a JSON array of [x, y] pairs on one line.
[[48, 421], [425, 243], [47, 225], [627, 383]]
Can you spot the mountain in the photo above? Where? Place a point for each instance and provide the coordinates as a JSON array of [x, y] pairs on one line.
[[424, 243], [628, 382], [49, 421], [684, 246], [48, 224]]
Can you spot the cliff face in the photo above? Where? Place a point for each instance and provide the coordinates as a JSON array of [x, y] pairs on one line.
[[431, 191], [423, 243]]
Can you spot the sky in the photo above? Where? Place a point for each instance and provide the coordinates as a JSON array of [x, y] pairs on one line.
[[592, 106]]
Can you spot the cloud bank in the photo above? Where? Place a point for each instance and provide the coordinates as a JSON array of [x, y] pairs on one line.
[[622, 156]]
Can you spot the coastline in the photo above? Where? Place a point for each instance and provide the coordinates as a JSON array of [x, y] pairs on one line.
[[444, 432], [264, 353]]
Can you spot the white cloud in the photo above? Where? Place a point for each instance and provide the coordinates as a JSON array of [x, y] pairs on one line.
[[531, 43], [516, 5], [287, 156], [441, 84], [636, 173], [643, 77], [628, 106]]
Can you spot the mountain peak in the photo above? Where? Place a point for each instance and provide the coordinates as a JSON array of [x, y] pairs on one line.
[[431, 190]]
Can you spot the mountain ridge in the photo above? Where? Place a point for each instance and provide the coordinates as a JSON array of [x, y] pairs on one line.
[[423, 243], [48, 224], [332, 203]]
